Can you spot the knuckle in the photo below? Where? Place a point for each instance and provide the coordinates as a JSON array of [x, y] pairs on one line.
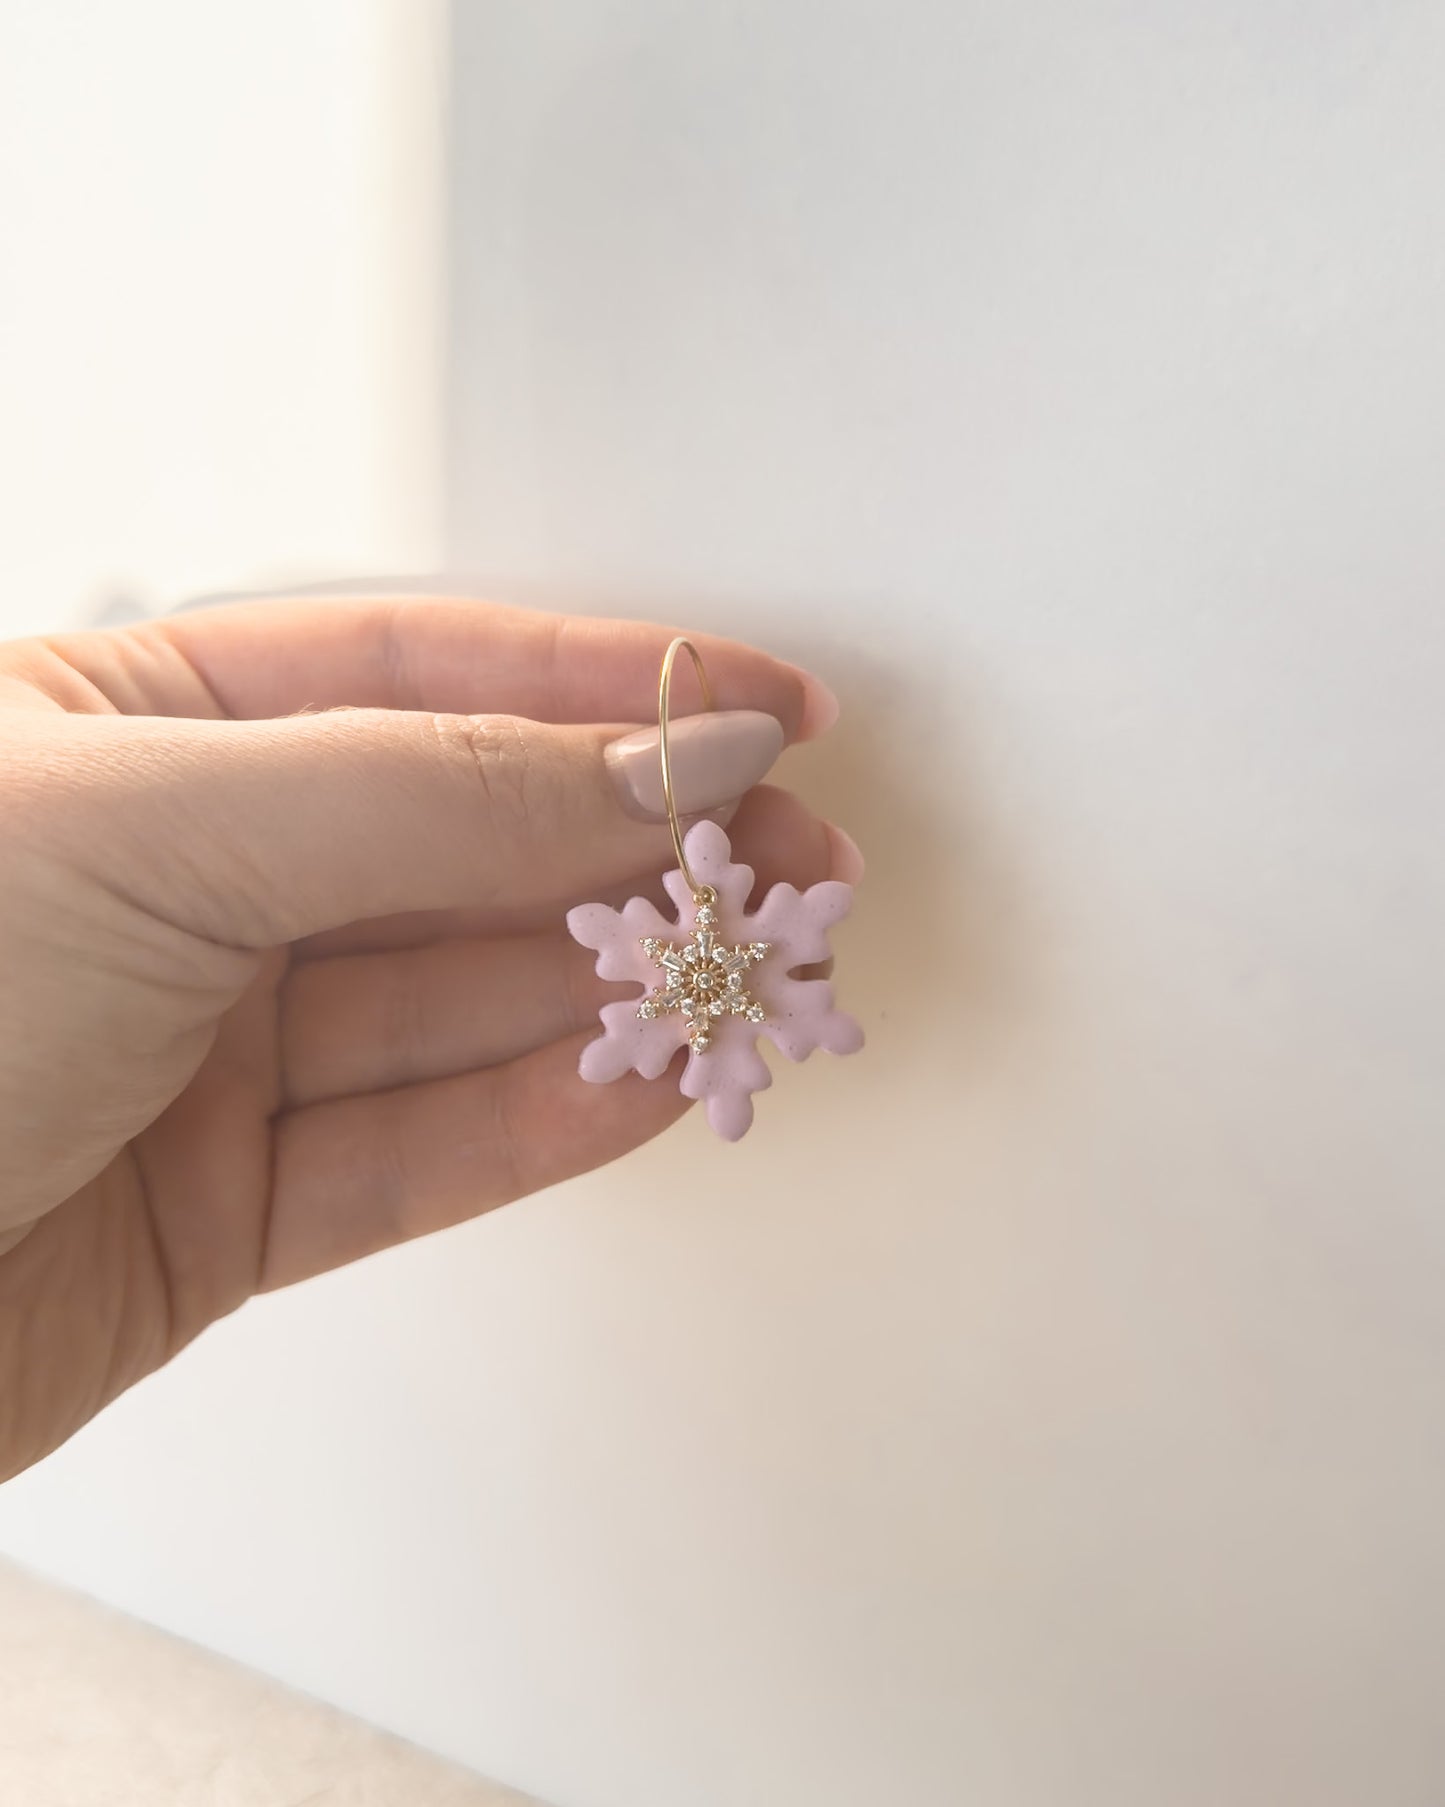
[[506, 1147], [494, 753], [57, 803], [403, 1017], [393, 1187], [569, 992], [393, 653]]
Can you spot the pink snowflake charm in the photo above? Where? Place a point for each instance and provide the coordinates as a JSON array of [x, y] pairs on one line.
[[716, 979]]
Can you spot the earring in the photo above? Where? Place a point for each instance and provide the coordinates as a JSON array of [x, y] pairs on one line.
[[718, 978]]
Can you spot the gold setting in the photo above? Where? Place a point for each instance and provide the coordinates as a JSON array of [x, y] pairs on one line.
[[703, 979]]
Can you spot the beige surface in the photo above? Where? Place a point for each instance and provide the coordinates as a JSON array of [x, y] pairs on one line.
[[97, 1710]]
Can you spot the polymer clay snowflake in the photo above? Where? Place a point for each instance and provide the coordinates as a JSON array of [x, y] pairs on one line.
[[716, 980]]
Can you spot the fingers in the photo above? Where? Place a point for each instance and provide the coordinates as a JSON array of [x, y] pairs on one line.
[[435, 654], [358, 1174], [367, 1022], [256, 833], [771, 830]]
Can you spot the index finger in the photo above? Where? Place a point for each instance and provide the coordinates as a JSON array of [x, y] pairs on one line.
[[457, 656]]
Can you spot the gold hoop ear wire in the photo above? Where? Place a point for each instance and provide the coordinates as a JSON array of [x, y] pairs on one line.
[[701, 893]]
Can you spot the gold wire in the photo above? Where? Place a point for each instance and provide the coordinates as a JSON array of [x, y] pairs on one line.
[[664, 717]]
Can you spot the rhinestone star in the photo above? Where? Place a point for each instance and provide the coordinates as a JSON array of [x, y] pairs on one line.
[[703, 979]]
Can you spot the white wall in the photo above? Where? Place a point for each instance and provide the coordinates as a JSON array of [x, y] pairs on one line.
[[1046, 1407], [220, 297]]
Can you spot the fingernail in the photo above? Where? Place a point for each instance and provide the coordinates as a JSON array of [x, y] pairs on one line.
[[820, 707], [845, 861], [715, 758]]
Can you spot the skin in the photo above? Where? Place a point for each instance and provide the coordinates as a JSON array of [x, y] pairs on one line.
[[281, 949]]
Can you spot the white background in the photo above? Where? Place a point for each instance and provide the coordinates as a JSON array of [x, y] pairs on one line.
[[220, 298], [1045, 1409]]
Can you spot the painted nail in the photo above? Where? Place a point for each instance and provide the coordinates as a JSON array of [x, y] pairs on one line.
[[820, 707], [845, 861], [715, 758]]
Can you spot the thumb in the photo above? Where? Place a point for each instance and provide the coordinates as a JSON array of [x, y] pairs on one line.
[[255, 833]]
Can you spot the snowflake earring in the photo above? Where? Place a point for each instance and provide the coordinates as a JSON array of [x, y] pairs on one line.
[[718, 978]]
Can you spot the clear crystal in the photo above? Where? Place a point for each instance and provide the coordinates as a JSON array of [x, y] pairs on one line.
[[703, 979]]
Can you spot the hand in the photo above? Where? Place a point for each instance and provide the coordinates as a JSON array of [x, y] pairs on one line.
[[284, 973]]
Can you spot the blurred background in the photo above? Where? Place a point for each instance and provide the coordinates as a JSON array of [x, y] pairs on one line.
[[1048, 1406], [222, 298]]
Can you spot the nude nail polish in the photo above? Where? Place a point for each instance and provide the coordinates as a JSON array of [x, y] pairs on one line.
[[845, 861], [820, 707], [715, 758]]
